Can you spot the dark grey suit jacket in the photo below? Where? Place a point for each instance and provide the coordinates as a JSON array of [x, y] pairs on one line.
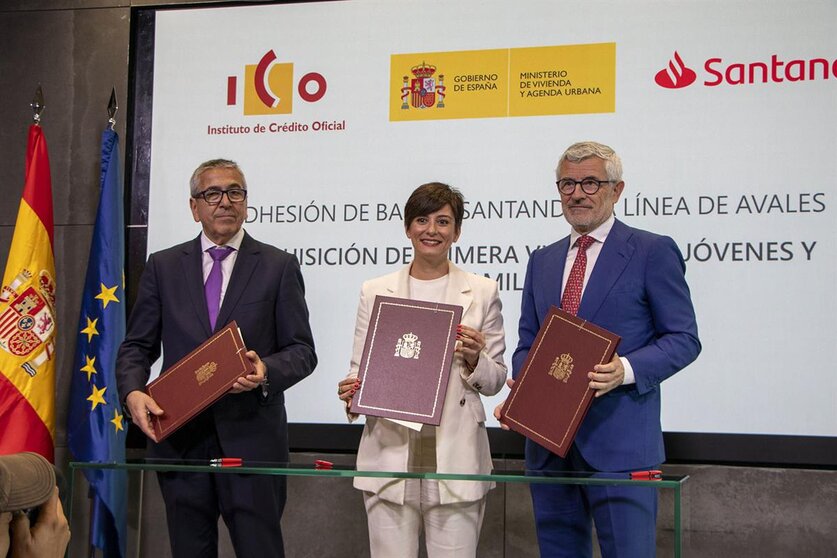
[[266, 296]]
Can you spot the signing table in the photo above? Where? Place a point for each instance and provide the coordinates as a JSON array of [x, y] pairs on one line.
[[325, 469]]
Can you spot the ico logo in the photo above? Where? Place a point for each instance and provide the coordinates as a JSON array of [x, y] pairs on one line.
[[269, 87]]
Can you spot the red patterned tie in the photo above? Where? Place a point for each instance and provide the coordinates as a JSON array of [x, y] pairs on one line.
[[572, 291]]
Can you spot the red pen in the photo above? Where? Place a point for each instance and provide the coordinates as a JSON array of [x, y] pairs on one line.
[[226, 462], [647, 475], [323, 464]]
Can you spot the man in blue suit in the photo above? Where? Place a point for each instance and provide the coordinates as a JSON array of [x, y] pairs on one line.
[[261, 288], [633, 284]]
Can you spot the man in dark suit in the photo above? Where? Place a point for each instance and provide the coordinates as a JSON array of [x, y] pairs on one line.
[[261, 288], [631, 282]]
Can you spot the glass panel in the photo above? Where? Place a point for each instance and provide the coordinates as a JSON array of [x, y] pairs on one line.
[[512, 493]]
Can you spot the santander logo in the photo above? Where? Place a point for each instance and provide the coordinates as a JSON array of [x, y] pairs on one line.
[[720, 72], [676, 75]]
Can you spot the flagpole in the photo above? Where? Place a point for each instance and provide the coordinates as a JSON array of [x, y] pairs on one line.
[[37, 105], [112, 108], [91, 547], [139, 513]]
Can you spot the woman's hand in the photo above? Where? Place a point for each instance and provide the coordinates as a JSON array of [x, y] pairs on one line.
[[471, 343], [346, 388]]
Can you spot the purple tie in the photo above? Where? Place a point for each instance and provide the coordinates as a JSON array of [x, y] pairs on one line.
[[212, 288]]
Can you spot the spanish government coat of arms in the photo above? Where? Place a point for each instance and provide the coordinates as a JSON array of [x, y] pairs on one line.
[[562, 367], [27, 325], [423, 89], [408, 346]]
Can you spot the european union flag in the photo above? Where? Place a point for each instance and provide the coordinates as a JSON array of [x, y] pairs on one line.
[[96, 427]]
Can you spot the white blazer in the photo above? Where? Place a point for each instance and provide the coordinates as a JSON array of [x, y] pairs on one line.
[[461, 438]]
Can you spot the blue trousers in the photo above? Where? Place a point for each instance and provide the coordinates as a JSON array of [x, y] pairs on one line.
[[625, 516]]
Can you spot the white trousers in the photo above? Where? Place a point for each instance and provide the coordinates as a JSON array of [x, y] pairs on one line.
[[450, 530]]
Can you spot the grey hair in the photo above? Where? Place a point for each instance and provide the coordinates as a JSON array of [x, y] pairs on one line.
[[214, 164], [577, 152]]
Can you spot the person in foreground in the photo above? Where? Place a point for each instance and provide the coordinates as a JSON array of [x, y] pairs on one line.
[[631, 282], [186, 293], [27, 483], [450, 512]]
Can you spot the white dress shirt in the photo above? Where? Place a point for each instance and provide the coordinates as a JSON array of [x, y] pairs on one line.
[[593, 251]]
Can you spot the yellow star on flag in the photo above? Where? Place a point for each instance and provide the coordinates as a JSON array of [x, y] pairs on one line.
[[96, 397], [90, 367], [107, 295], [117, 420], [90, 330]]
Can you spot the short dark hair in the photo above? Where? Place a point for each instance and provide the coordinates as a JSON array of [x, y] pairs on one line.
[[431, 197]]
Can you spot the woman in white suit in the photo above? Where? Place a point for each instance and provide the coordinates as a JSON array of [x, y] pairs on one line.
[[450, 512]]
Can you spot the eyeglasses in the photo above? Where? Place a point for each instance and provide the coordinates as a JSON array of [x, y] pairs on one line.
[[588, 185], [213, 196]]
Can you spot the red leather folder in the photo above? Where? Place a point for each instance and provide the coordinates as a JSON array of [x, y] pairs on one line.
[[199, 379], [551, 395], [406, 361]]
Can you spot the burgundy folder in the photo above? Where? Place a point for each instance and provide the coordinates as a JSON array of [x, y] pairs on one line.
[[551, 395], [199, 379], [406, 360]]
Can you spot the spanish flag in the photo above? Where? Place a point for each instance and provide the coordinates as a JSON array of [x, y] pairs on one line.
[[27, 316]]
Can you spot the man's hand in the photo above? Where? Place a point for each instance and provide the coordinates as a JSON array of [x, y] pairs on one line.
[[499, 407], [607, 376], [251, 381], [48, 538], [141, 406], [5, 520]]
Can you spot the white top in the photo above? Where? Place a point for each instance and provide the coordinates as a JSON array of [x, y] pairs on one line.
[[430, 290]]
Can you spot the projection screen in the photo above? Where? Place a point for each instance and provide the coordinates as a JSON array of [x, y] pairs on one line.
[[723, 113]]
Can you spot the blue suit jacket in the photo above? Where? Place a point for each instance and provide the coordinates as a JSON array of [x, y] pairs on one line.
[[638, 290], [266, 296]]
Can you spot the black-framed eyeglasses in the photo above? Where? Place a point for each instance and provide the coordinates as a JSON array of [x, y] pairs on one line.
[[588, 185], [213, 196]]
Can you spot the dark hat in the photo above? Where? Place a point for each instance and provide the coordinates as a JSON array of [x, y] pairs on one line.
[[26, 480]]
